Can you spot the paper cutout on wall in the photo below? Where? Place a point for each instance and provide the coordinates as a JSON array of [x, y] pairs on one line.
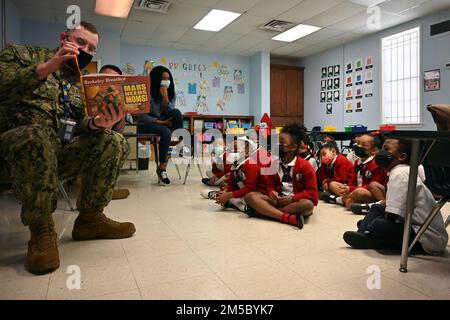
[[349, 80], [220, 105], [148, 66], [337, 70], [241, 88], [358, 79], [192, 88], [336, 83], [329, 96], [223, 72], [180, 99], [324, 72], [330, 72], [349, 94], [329, 108], [216, 64], [129, 68], [201, 105], [369, 62], [329, 84], [336, 96], [358, 92], [349, 107], [368, 89], [348, 67], [358, 106], [323, 96], [358, 65], [237, 75], [323, 85], [227, 93], [216, 82], [369, 76], [163, 60]]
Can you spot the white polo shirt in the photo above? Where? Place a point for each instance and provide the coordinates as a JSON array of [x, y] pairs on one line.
[[435, 238], [287, 188]]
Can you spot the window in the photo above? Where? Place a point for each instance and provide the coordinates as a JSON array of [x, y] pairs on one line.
[[401, 77]]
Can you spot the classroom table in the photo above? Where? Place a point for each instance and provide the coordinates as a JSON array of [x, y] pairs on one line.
[[337, 135], [417, 156]]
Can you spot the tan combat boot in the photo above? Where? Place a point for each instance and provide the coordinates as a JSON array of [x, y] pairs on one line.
[[42, 256], [89, 226], [120, 194]]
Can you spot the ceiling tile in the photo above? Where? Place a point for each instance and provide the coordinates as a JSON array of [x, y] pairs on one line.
[[245, 43], [397, 6], [239, 6], [184, 15], [335, 14], [245, 24], [86, 6], [160, 44], [267, 45], [339, 40], [263, 34], [200, 3], [319, 36], [389, 20], [308, 51], [195, 37], [307, 9], [271, 8], [288, 48], [169, 33], [222, 39], [38, 14], [427, 8], [354, 22], [139, 29], [108, 22], [146, 16], [135, 40], [32, 3], [184, 46]]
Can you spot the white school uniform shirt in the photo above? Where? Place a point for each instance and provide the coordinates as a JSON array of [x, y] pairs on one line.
[[352, 157], [287, 189], [435, 238], [359, 177]]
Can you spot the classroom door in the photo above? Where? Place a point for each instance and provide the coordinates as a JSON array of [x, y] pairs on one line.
[[286, 94]]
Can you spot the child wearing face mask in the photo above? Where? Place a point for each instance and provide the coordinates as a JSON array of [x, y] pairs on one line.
[[305, 153], [220, 167], [382, 227], [334, 167], [246, 174], [366, 171], [352, 155]]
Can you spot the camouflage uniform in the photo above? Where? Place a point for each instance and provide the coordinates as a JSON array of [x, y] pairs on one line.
[[30, 147]]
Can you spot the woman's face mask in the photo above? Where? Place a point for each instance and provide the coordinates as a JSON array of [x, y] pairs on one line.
[[165, 83], [218, 150], [384, 159], [360, 152]]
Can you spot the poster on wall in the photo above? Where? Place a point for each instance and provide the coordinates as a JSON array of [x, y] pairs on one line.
[[329, 84], [330, 96], [369, 76], [336, 96], [180, 99], [348, 107], [337, 70], [216, 82], [349, 94], [369, 62], [324, 72], [348, 80], [432, 80], [358, 105], [192, 88], [329, 108], [358, 79], [368, 89], [330, 71], [323, 96], [323, 85], [348, 67], [358, 65], [336, 83], [358, 92]]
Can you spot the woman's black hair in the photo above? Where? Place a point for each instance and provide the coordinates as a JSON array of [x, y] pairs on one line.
[[155, 84], [112, 67], [296, 131], [331, 146]]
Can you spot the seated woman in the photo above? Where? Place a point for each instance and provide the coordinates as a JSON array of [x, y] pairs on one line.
[[163, 117]]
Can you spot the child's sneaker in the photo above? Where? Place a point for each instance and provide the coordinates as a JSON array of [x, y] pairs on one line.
[[206, 181], [360, 208], [358, 240], [328, 197], [209, 194], [250, 211]]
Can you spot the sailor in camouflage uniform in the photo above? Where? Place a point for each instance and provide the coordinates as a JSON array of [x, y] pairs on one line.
[[32, 83]]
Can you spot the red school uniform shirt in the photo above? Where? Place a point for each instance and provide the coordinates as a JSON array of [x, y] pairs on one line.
[[341, 170], [247, 177], [367, 172], [221, 169], [302, 178]]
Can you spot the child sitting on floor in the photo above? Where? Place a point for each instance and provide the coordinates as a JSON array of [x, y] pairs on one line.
[[220, 167], [305, 152], [245, 175], [382, 227], [366, 171], [334, 167], [293, 194]]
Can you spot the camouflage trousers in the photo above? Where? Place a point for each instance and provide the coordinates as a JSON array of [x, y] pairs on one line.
[[36, 162]]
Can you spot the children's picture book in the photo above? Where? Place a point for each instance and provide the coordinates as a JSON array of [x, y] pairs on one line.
[[131, 93]]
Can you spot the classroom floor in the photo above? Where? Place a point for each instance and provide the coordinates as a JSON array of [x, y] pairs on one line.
[[186, 247]]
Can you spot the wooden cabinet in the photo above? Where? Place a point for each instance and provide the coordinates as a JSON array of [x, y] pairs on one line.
[[286, 94]]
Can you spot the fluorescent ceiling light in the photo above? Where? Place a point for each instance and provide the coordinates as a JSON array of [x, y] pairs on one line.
[[296, 33], [216, 20], [113, 8]]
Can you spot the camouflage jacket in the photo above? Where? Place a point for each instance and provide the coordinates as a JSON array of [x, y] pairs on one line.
[[25, 100]]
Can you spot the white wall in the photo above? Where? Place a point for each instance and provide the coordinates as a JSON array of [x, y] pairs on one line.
[[435, 53], [12, 23]]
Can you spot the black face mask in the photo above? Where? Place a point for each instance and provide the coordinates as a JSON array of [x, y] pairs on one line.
[[303, 154], [384, 159], [84, 59], [360, 152], [281, 151]]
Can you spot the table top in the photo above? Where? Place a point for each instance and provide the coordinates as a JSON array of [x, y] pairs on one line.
[[418, 134]]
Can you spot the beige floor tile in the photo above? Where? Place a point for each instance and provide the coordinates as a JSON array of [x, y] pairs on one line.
[[124, 295], [357, 289], [308, 294], [111, 277], [324, 269], [234, 256], [29, 287], [210, 239], [208, 287], [264, 281], [150, 248], [156, 270]]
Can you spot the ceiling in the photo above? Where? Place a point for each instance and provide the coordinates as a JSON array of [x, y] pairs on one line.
[[342, 21]]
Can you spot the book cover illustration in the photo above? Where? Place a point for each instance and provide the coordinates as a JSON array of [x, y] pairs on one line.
[[131, 93]]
